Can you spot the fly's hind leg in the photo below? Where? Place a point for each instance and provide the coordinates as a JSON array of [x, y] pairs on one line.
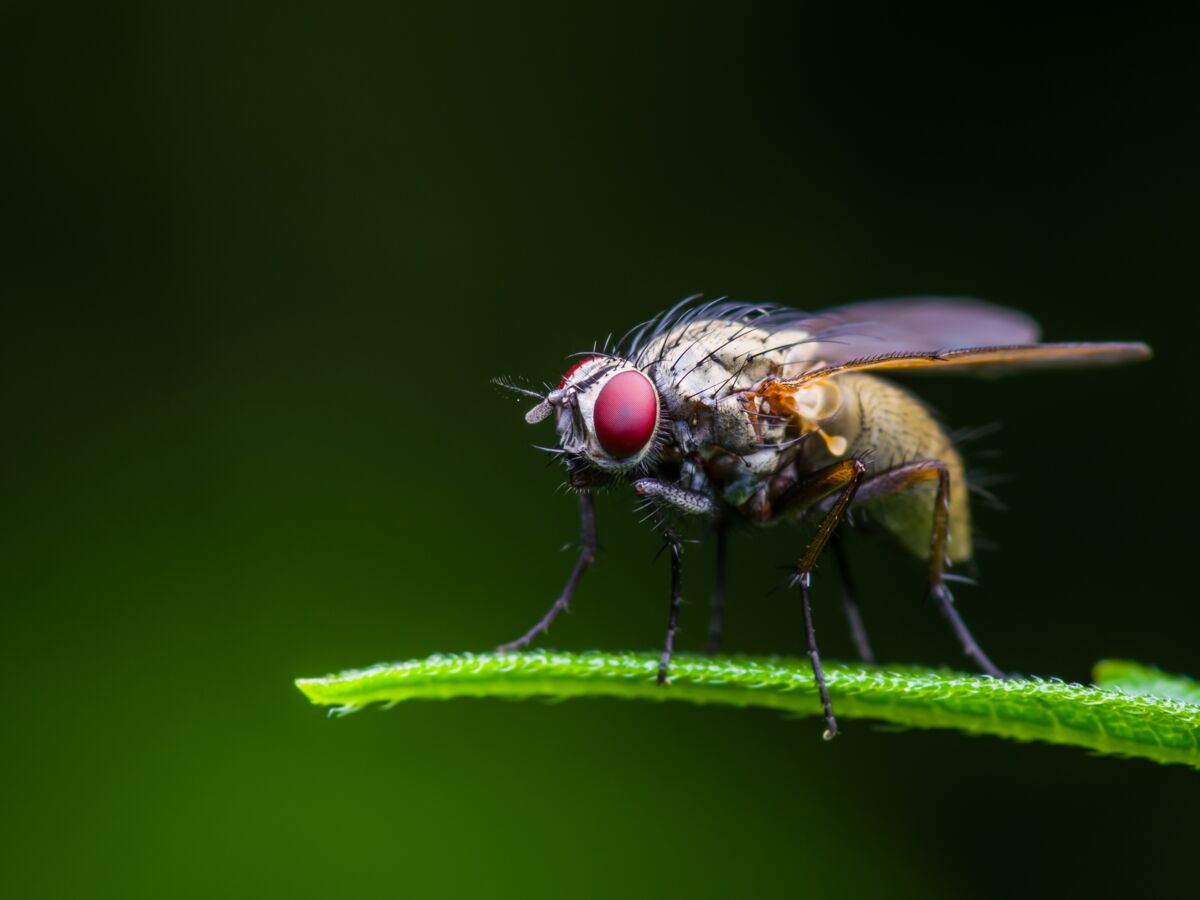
[[849, 603], [840, 480], [904, 478], [587, 555]]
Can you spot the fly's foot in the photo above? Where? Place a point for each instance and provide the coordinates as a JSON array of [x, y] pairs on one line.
[[664, 664], [543, 626], [945, 600], [664, 661], [513, 646]]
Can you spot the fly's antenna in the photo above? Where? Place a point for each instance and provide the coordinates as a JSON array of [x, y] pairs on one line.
[[509, 383], [538, 413], [544, 407]]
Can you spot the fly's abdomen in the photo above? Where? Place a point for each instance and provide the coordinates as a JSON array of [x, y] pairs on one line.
[[887, 427]]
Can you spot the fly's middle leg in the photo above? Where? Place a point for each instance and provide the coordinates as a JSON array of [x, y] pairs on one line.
[[840, 480], [904, 478]]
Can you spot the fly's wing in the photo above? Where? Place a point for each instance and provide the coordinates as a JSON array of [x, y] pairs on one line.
[[991, 360], [880, 328], [935, 334]]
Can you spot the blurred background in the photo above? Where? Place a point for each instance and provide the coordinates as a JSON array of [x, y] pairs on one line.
[[258, 265]]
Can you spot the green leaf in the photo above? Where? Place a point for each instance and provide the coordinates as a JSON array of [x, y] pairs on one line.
[[1118, 717], [1134, 678]]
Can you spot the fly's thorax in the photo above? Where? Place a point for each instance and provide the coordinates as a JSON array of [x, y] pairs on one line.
[[733, 426], [710, 358], [609, 413], [762, 433]]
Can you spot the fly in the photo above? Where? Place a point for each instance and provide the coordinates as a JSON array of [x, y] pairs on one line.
[[764, 414]]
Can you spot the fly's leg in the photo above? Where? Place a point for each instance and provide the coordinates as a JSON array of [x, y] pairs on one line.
[[810, 636], [587, 554], [907, 477], [717, 615], [664, 661], [840, 480], [849, 603], [692, 503]]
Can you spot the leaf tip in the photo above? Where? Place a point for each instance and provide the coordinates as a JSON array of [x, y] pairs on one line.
[[311, 688]]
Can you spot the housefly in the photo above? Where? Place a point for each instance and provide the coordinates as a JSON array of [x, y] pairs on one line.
[[764, 414]]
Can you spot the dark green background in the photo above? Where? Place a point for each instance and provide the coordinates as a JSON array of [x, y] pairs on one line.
[[257, 268]]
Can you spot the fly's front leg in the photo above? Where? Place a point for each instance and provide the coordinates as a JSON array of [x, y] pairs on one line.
[[587, 555], [675, 545], [907, 477], [717, 614], [693, 503], [689, 502], [664, 661], [840, 480]]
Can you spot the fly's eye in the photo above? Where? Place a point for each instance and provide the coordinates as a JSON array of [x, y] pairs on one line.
[[625, 414]]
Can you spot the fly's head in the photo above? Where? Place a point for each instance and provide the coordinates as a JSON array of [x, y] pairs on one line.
[[609, 414]]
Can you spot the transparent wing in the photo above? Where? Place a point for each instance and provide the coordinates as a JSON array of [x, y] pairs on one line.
[[884, 327]]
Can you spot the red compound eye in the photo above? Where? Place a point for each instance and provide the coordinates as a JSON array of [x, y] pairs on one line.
[[625, 414]]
